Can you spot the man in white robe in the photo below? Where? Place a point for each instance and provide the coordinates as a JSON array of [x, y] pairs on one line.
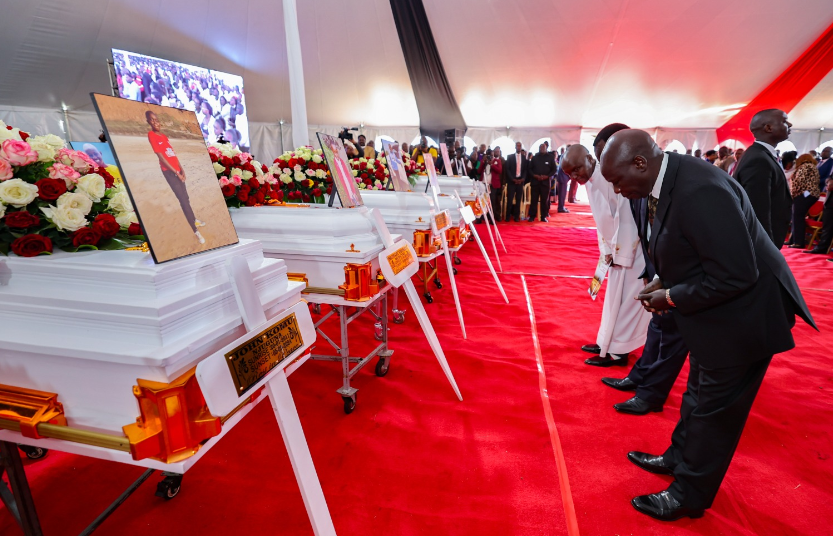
[[624, 322]]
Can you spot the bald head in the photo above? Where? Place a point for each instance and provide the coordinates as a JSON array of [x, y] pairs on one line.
[[631, 162], [578, 163], [770, 126]]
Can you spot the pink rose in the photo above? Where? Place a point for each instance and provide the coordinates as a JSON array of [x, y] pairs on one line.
[[5, 170], [223, 180], [63, 171], [18, 153], [215, 151], [245, 157], [237, 180], [77, 160]]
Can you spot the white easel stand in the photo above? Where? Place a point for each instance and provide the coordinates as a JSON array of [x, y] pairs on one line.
[[468, 216], [453, 284], [283, 406]]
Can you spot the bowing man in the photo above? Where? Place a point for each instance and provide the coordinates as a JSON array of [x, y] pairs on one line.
[[624, 322], [734, 299]]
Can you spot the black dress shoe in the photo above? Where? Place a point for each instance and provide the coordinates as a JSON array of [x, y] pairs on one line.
[[591, 349], [796, 246], [817, 251], [563, 211], [517, 219], [625, 384], [649, 462], [545, 220], [607, 361], [664, 506], [637, 406]]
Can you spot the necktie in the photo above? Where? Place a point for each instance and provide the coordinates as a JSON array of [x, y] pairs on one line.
[[652, 209], [517, 165]]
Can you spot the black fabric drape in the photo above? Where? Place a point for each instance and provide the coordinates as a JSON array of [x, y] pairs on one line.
[[438, 109]]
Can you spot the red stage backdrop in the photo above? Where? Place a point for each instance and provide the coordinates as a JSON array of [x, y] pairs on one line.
[[786, 91]]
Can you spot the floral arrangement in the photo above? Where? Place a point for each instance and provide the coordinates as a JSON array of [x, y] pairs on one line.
[[370, 173], [413, 168], [304, 176], [51, 196], [245, 181]]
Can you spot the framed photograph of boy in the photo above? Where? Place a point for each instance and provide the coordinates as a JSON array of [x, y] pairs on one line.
[[345, 183], [167, 171]]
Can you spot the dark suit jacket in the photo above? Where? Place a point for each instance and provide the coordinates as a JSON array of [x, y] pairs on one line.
[[510, 165], [766, 185], [735, 295], [639, 208]]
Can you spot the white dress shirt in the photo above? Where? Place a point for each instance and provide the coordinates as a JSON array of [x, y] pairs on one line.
[[658, 184]]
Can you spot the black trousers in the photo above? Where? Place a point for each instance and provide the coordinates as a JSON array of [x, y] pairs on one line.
[[181, 193], [657, 368], [496, 196], [514, 197], [827, 223], [801, 205], [712, 416], [540, 198], [563, 186]]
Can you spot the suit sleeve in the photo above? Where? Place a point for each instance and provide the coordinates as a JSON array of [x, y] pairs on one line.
[[756, 179], [713, 223]]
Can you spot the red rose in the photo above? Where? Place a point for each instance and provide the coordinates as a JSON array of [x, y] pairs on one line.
[[263, 168], [368, 181], [251, 201], [306, 198], [236, 160], [329, 179], [279, 195], [106, 225], [261, 197], [254, 183], [363, 175], [243, 195], [134, 230], [24, 135], [275, 161], [108, 179], [317, 192], [21, 219], [31, 245], [213, 157], [226, 161], [51, 189], [329, 190], [85, 236], [249, 167], [228, 190], [290, 186]]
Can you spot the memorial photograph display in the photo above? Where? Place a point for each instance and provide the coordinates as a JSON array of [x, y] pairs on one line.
[[100, 153], [340, 169], [169, 175], [398, 174], [216, 97]]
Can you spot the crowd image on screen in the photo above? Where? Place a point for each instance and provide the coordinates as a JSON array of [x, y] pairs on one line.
[[217, 98]]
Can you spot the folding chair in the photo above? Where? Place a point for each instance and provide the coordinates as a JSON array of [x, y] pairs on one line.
[[813, 221]]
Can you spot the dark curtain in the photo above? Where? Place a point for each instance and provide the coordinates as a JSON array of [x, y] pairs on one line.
[[438, 109]]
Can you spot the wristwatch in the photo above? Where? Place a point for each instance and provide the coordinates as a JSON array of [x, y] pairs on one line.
[[668, 297]]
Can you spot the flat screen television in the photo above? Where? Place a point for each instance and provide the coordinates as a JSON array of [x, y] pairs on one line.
[[216, 97]]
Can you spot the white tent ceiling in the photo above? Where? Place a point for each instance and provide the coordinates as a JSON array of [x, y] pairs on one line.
[[520, 63]]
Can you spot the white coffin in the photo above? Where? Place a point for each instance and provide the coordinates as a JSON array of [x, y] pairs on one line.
[[315, 240], [466, 187], [406, 212], [86, 325]]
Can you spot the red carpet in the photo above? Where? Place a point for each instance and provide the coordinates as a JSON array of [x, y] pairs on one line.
[[411, 460]]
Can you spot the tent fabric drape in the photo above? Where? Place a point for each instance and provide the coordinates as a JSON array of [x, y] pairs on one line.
[[787, 90], [298, 99], [438, 109]]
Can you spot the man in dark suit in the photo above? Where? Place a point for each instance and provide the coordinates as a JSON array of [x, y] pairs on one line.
[[761, 175], [734, 300], [653, 375], [541, 169], [515, 169]]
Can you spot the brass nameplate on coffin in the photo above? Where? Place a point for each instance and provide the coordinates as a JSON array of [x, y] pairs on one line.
[[251, 361]]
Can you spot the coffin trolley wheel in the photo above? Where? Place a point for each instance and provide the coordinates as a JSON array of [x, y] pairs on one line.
[[382, 366], [438, 283], [458, 261], [428, 297], [169, 487], [378, 332], [349, 404], [33, 453], [399, 317], [316, 308]]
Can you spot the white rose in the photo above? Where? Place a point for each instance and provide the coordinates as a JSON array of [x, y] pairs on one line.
[[65, 218], [124, 219], [120, 202], [2, 210], [17, 192], [52, 140], [93, 185], [317, 159], [310, 172], [76, 201], [300, 176], [286, 179], [46, 153], [355, 172], [218, 168], [236, 171], [13, 134], [258, 167], [298, 167], [320, 173], [247, 175]]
